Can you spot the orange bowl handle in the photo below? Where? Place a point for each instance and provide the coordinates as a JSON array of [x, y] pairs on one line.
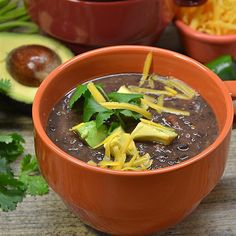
[[231, 85]]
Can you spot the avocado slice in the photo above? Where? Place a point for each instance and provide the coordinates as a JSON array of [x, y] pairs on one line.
[[89, 132], [150, 131], [10, 41]]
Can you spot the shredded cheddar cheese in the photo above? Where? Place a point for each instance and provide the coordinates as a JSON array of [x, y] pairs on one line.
[[170, 90], [150, 91], [171, 83], [76, 126], [98, 97], [121, 153], [146, 68], [159, 108], [215, 17], [131, 107]]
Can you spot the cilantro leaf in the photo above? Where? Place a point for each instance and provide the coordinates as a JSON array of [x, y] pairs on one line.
[[11, 146], [31, 178], [12, 191], [91, 107], [113, 126], [125, 97], [5, 138], [5, 167], [102, 117], [79, 91], [35, 185], [5, 85], [131, 114], [17, 137], [29, 164]]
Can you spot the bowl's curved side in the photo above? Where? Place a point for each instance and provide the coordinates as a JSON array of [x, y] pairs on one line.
[[204, 47], [131, 205]]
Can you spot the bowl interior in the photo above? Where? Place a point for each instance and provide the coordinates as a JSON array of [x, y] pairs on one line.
[[120, 59]]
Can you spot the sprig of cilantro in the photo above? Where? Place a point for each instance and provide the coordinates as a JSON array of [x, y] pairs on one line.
[[30, 176], [13, 187], [11, 146], [11, 192], [5, 85], [93, 110]]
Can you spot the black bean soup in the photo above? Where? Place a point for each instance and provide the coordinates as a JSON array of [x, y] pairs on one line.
[[195, 132]]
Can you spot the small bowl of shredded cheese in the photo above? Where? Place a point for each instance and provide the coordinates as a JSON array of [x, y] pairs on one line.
[[209, 30]]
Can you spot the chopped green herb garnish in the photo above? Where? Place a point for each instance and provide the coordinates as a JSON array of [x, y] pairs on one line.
[[30, 176], [11, 146], [102, 117], [125, 97], [14, 187], [11, 192], [80, 90], [92, 109]]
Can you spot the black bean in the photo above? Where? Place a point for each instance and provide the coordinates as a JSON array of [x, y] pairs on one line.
[[53, 129], [172, 119], [183, 147]]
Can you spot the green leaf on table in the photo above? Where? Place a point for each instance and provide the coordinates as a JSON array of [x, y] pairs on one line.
[[5, 167], [12, 192], [5, 138], [5, 85], [29, 164], [11, 146], [30, 176], [29, 180], [35, 185]]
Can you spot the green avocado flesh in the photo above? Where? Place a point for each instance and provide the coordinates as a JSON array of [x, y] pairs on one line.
[[10, 41], [90, 133]]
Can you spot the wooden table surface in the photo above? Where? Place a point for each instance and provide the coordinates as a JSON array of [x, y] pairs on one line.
[[47, 215]]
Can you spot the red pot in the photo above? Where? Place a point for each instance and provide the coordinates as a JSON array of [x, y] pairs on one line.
[[89, 24]]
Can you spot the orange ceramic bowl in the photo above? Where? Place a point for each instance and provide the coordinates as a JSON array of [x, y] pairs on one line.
[[123, 202], [205, 47]]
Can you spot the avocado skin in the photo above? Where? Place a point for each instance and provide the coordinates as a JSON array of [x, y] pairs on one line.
[[20, 96]]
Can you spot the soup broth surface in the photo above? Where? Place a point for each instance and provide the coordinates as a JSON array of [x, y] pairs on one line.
[[195, 132]]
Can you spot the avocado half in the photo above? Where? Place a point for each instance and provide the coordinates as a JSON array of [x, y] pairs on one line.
[[9, 41]]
